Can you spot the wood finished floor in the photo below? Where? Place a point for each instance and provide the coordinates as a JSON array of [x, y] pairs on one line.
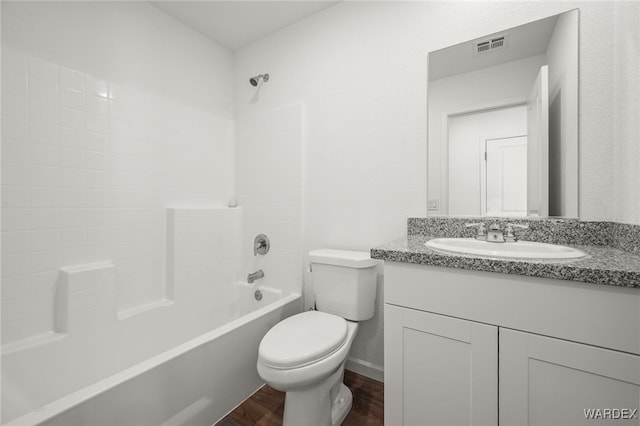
[[265, 407]]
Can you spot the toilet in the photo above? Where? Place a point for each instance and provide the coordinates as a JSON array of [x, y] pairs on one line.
[[305, 354]]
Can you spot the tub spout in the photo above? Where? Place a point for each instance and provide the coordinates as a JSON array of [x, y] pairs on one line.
[[256, 275]]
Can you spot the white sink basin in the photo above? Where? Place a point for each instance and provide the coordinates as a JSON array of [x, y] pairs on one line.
[[518, 250]]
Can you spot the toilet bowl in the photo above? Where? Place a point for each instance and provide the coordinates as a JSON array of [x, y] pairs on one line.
[[305, 354]]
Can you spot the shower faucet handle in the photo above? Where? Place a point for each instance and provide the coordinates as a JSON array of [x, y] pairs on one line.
[[261, 245]]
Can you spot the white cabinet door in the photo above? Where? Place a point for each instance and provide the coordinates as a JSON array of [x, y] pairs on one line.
[[439, 370], [546, 381]]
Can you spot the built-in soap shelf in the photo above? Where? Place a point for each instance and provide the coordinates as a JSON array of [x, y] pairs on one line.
[[85, 297], [84, 302]]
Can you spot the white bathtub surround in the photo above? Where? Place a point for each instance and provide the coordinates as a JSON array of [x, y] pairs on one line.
[[245, 298], [98, 136], [204, 247], [94, 337], [90, 182], [270, 146]]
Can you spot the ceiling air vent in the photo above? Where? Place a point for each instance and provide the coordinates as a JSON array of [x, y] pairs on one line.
[[484, 46], [490, 45], [497, 43]]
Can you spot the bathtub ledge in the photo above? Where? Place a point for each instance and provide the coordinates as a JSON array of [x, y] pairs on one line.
[[131, 312], [31, 342]]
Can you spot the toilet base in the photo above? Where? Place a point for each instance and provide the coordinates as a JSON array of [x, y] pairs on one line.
[[341, 405], [323, 404]]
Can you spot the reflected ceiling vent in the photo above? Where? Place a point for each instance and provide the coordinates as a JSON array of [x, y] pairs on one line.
[[490, 45]]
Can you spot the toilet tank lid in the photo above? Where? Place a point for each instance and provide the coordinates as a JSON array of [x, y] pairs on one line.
[[348, 258]]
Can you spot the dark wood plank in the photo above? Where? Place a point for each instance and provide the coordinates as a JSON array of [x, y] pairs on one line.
[[266, 406], [249, 413], [368, 400], [271, 399]]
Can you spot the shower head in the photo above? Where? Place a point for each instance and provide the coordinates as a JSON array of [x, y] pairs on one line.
[[255, 80]]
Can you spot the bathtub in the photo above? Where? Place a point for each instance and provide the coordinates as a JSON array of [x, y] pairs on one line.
[[195, 383]]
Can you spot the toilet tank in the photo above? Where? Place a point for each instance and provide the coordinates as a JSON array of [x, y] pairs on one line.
[[344, 283]]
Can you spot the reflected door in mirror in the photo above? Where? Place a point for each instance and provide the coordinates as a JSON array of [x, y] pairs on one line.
[[467, 188], [506, 176]]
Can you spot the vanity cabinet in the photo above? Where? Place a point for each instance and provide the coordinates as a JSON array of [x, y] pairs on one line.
[[548, 381], [483, 348], [444, 369]]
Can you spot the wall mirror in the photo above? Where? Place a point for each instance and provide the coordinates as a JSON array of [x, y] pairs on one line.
[[503, 122]]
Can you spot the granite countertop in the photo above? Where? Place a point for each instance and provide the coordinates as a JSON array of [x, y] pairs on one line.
[[605, 265]]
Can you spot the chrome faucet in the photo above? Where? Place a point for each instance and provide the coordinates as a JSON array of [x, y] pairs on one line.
[[495, 234], [255, 276]]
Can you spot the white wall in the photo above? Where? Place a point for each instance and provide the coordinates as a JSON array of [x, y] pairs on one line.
[[626, 65], [493, 86], [360, 68], [111, 112]]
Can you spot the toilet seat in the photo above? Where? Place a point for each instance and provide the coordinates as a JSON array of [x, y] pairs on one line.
[[302, 339]]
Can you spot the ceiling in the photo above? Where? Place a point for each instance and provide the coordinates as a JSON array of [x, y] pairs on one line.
[[234, 24], [521, 42]]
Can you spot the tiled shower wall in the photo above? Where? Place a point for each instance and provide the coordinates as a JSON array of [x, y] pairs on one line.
[[88, 167], [269, 184]]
